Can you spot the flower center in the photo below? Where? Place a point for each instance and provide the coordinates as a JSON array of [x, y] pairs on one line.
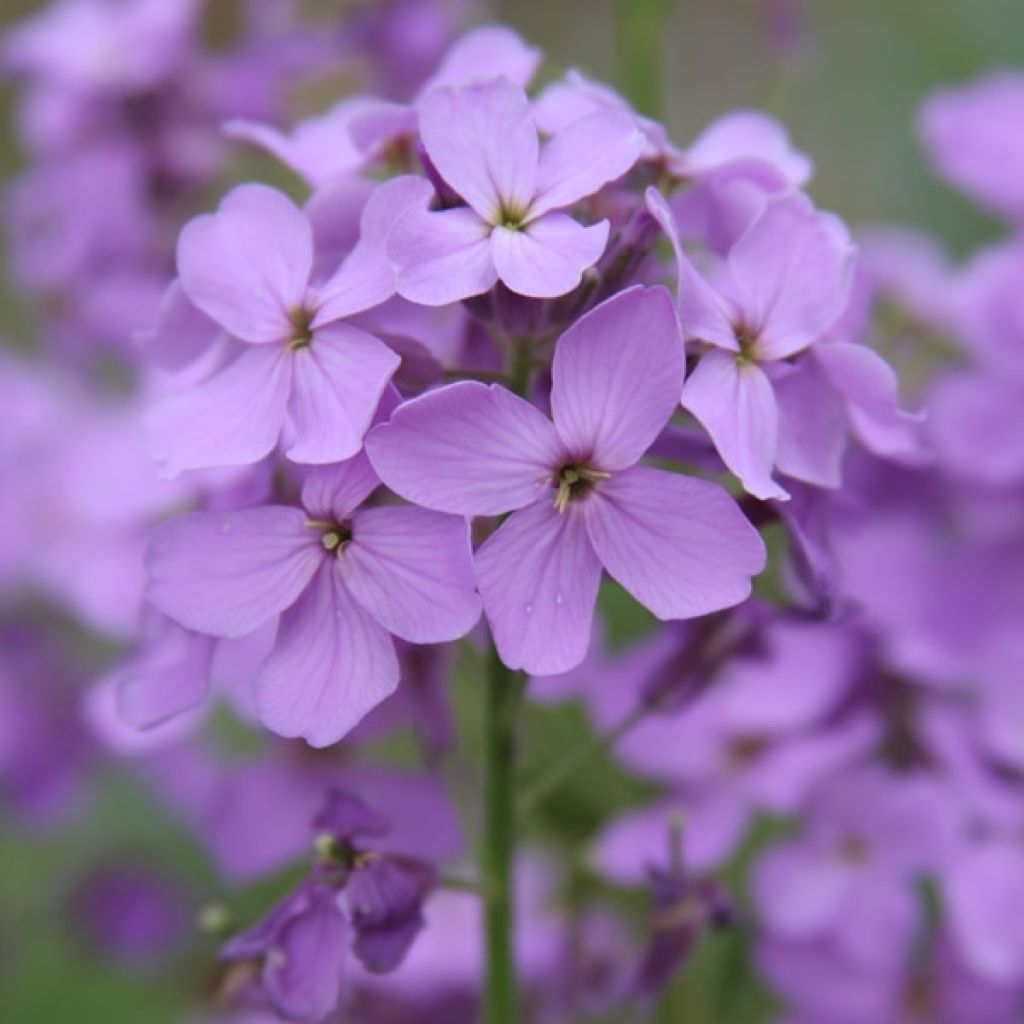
[[573, 482], [302, 328], [333, 536], [511, 216]]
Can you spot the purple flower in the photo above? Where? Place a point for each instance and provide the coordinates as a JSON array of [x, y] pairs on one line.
[[850, 879], [346, 578], [680, 546], [483, 142], [970, 132], [248, 267], [353, 898], [784, 283]]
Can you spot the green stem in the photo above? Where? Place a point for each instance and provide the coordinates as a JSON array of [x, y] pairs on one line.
[[640, 36], [501, 712]]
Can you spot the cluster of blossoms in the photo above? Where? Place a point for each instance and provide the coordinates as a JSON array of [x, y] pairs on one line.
[[504, 365]]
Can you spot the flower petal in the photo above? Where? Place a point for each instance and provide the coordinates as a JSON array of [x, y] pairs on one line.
[[791, 272], [332, 664], [225, 573], [679, 545], [412, 570], [441, 257], [547, 258], [617, 376], [232, 419], [247, 265], [538, 577], [468, 448], [366, 277], [339, 379], [735, 403], [583, 157], [812, 425], [483, 142], [704, 314], [490, 51], [338, 489], [870, 386]]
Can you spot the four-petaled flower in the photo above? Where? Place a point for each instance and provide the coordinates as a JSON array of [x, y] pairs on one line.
[[483, 142], [680, 546]]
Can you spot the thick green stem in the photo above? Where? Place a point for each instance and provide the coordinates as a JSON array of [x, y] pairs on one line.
[[501, 713]]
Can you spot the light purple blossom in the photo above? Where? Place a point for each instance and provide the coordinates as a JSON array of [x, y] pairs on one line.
[[345, 579], [248, 267], [483, 142], [679, 545]]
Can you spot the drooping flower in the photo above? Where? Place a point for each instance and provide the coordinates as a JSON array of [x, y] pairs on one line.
[[483, 142], [679, 545], [353, 898], [248, 267], [346, 578], [784, 283]]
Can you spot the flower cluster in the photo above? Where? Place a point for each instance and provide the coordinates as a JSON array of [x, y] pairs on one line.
[[496, 372]]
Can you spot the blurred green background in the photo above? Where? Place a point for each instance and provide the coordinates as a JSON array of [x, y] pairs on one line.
[[846, 79]]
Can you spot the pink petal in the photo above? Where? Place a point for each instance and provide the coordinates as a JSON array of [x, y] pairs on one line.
[[441, 257], [548, 257], [232, 419], [468, 448], [337, 490], [339, 379], [183, 332], [412, 570], [748, 135], [969, 132], [538, 577], [583, 157], [490, 51], [226, 573], [167, 678], [873, 392], [332, 664], [791, 274], [735, 404], [812, 425], [704, 315], [366, 278], [483, 142], [247, 265], [317, 149], [679, 545], [617, 376]]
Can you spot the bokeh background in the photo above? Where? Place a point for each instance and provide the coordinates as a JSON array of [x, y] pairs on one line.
[[846, 78]]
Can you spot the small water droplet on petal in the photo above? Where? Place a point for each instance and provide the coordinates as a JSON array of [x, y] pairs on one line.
[[559, 599], [529, 609]]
